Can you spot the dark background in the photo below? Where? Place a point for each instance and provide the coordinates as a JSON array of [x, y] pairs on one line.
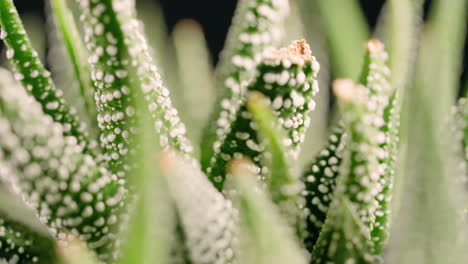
[[215, 17]]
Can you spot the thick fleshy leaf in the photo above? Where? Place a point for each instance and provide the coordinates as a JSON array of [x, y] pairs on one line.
[[69, 190], [265, 236], [287, 78], [429, 228], [69, 36], [320, 179], [196, 76], [208, 218], [33, 75], [345, 29], [257, 24], [122, 68], [283, 182], [23, 238], [148, 237]]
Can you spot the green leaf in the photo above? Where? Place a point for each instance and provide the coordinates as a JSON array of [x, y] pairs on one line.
[[344, 239], [256, 25], [320, 180], [404, 19], [362, 176], [33, 75], [316, 138], [69, 190], [265, 235], [152, 218], [122, 68], [460, 119], [196, 75], [287, 78], [384, 104], [402, 33], [346, 29], [76, 51], [208, 218], [429, 228], [283, 183], [23, 238]]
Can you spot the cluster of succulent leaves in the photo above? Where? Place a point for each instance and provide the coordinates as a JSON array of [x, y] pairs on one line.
[[98, 166]]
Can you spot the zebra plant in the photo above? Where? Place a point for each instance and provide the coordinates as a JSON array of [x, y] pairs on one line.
[[97, 165]]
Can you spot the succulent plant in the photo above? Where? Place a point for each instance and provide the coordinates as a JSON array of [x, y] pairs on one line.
[[98, 166]]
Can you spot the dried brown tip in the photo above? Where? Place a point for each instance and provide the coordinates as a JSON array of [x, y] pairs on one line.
[[301, 47], [375, 46], [239, 167], [349, 92], [298, 52]]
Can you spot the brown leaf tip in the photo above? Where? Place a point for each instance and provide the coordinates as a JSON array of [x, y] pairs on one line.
[[298, 52]]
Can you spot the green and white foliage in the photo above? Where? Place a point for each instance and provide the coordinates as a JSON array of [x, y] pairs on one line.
[[354, 202], [460, 120], [195, 72], [364, 172], [343, 238], [283, 183], [143, 238], [33, 75], [70, 191], [122, 68], [19, 245], [320, 180], [68, 60], [257, 24], [265, 236], [287, 78], [384, 103], [23, 238], [208, 218], [63, 200]]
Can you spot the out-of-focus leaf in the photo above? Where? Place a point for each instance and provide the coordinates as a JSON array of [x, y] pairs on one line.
[[23, 238], [151, 223], [308, 22], [346, 30], [69, 36], [265, 236], [196, 76], [282, 181], [429, 228], [35, 78], [287, 77], [257, 24], [208, 219]]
